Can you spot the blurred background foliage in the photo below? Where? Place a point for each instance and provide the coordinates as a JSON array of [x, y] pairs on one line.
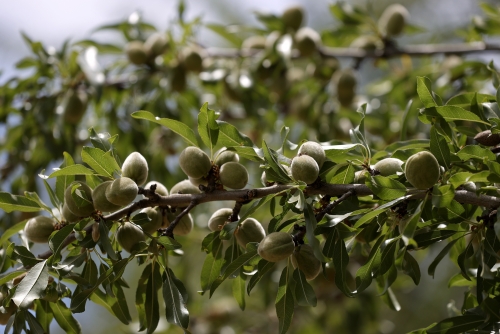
[[259, 82]]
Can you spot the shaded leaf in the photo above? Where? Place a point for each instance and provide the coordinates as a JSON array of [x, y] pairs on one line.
[[175, 303], [284, 302], [457, 325], [65, 318], [9, 203], [304, 292]]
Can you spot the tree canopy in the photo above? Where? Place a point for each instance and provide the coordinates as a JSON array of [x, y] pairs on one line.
[[273, 174]]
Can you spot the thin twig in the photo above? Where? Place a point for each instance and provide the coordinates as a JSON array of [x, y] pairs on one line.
[[333, 204], [169, 231]]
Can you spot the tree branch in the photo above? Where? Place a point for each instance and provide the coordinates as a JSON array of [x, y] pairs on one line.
[[390, 51], [338, 190]]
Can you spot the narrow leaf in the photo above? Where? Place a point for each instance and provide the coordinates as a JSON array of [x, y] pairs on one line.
[[304, 292], [9, 203], [65, 318], [32, 285], [284, 302], [178, 127]]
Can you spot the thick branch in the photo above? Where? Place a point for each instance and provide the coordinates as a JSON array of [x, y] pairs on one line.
[[338, 190]]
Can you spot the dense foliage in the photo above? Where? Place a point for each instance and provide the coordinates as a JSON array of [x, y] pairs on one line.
[[308, 185]]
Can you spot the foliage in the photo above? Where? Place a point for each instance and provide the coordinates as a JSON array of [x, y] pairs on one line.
[[368, 230]]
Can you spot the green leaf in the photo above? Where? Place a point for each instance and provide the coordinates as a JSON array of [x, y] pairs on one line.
[[208, 127], [21, 253], [168, 242], [223, 31], [440, 256], [65, 318], [212, 265], [104, 240], [63, 181], [8, 276], [44, 314], [11, 231], [152, 304], [175, 302], [250, 254], [442, 196], [178, 127], [411, 267], [9, 203], [102, 162], [387, 257], [453, 113], [35, 326], [284, 302], [364, 274], [386, 188], [439, 148], [425, 93], [340, 262], [72, 171], [229, 136], [304, 292], [238, 288], [78, 300], [249, 153], [374, 213], [140, 296], [262, 267], [428, 238], [457, 325], [56, 242], [467, 253], [276, 167], [475, 152], [52, 195], [343, 174]]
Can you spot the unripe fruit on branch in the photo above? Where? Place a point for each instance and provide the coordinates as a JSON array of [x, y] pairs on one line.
[[178, 78], [307, 41], [393, 20], [78, 198], [74, 105], [233, 175], [160, 188], [422, 170], [314, 150], [293, 17], [192, 58], [38, 229], [219, 218], [99, 199], [303, 258], [69, 216], [226, 156], [183, 227], [254, 42], [122, 191], [136, 52], [198, 182], [185, 187], [156, 220], [345, 81], [304, 168], [194, 162], [360, 176], [128, 235], [487, 138], [325, 69], [389, 166], [156, 44], [250, 230], [135, 167], [369, 43], [276, 246]]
